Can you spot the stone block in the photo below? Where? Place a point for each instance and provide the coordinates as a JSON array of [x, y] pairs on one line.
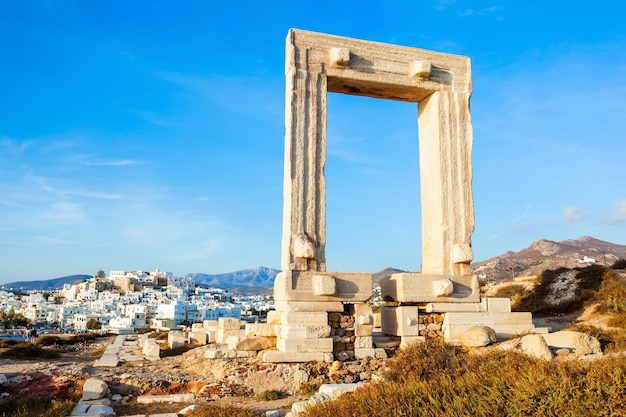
[[498, 305], [94, 389], [273, 356], [377, 320], [273, 316], [305, 345], [210, 325], [172, 398], [228, 323], [363, 342], [299, 286], [323, 285], [312, 331], [400, 321], [336, 390], [256, 343], [197, 327], [409, 287], [535, 345], [316, 306], [101, 411], [361, 353], [151, 349], [233, 341], [456, 307], [175, 339], [301, 317], [409, 340], [222, 335], [211, 336], [581, 343], [260, 329], [198, 338], [488, 319]]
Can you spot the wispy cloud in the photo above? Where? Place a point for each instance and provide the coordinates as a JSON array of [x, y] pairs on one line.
[[572, 214], [619, 212], [14, 146], [479, 12]]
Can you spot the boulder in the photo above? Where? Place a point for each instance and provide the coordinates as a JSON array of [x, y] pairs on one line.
[[535, 345], [581, 343], [94, 389], [478, 336], [256, 343]]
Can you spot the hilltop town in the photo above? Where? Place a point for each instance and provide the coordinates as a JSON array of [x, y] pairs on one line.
[[124, 302]]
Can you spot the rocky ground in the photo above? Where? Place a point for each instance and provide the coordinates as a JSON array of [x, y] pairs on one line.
[[227, 382]]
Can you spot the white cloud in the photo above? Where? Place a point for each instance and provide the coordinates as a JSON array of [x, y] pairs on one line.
[[619, 213], [572, 214]]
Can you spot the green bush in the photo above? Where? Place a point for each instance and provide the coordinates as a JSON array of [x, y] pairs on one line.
[[25, 350], [35, 407], [269, 395]]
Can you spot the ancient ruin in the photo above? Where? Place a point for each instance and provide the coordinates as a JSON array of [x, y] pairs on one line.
[[316, 309]]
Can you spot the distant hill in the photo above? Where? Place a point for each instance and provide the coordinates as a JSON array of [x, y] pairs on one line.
[[47, 284], [546, 254], [256, 277]]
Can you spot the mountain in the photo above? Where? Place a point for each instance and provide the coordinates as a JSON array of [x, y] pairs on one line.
[[48, 284], [546, 254], [256, 277]]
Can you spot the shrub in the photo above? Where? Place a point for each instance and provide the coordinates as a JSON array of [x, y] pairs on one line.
[[269, 395], [217, 411], [619, 264], [611, 295], [493, 383], [35, 407], [424, 361], [24, 350]]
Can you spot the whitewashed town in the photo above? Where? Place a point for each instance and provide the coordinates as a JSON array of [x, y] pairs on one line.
[[124, 302]]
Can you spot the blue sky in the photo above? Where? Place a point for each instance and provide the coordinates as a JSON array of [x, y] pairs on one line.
[[144, 135]]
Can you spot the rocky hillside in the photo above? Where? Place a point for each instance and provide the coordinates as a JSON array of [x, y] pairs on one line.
[[546, 254]]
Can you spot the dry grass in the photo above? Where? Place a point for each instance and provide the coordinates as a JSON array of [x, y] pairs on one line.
[[212, 410], [497, 383], [35, 407]]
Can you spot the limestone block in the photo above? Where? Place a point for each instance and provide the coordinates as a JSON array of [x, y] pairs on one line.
[[222, 335], [301, 317], [456, 307], [211, 336], [498, 305], [581, 343], [175, 339], [420, 288], [377, 321], [409, 340], [478, 336], [361, 353], [303, 247], [400, 321], [210, 325], [453, 333], [363, 342], [315, 306], [299, 286], [336, 390], [198, 338], [256, 343], [442, 287], [274, 356], [94, 389], [228, 354], [101, 411], [151, 349], [272, 413], [488, 318], [419, 69], [232, 341], [172, 398], [535, 345], [312, 331], [299, 407], [228, 323], [273, 317], [323, 285], [305, 345], [339, 57], [260, 329], [197, 327]]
